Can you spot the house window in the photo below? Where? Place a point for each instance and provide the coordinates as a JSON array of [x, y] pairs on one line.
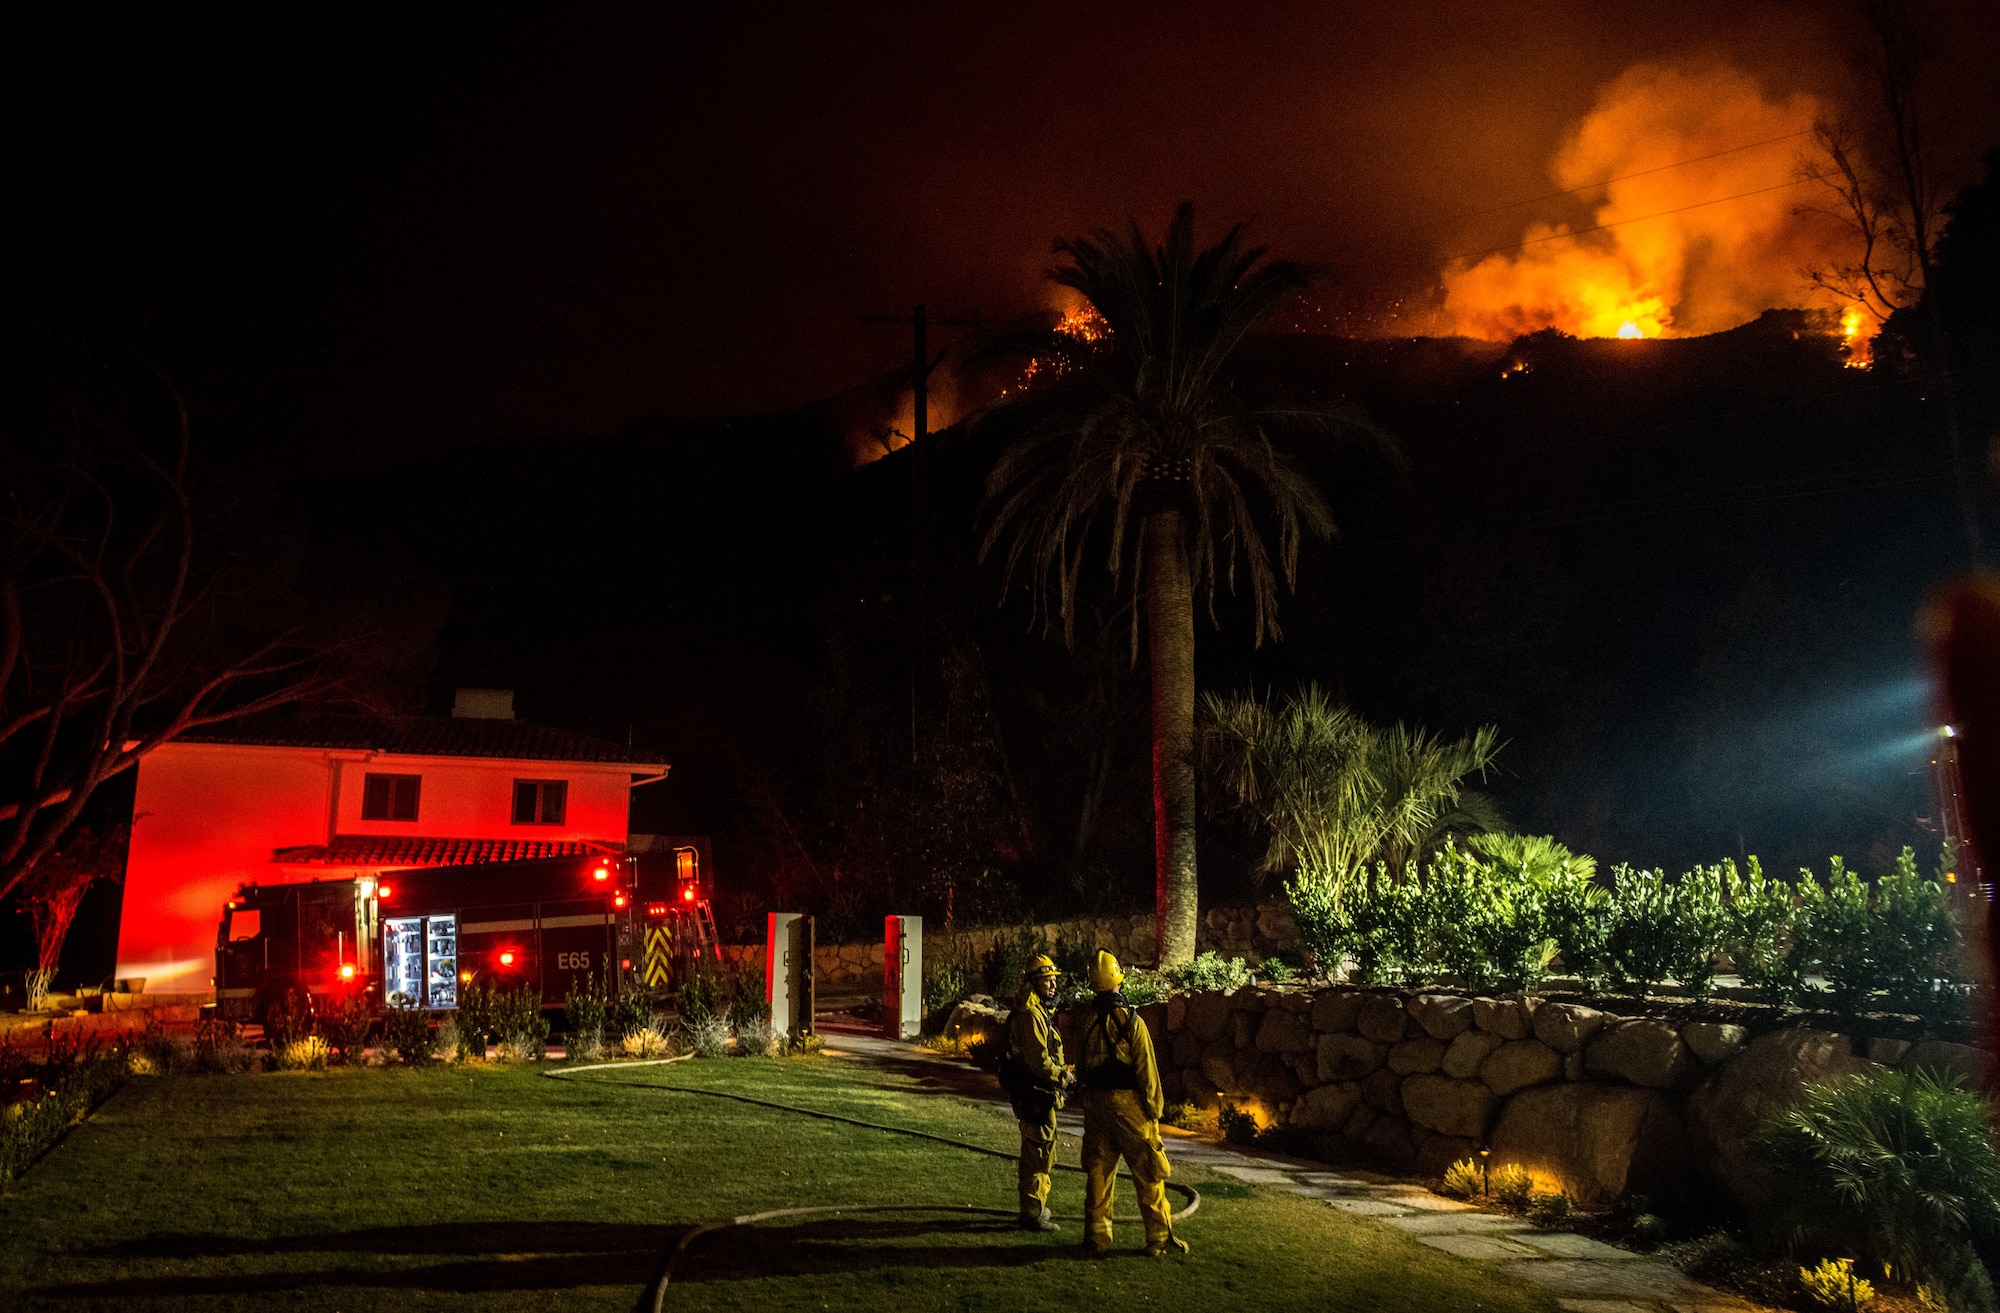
[[389, 797], [540, 802]]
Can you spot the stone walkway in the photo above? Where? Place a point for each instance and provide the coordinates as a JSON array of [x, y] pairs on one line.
[[1587, 1276]]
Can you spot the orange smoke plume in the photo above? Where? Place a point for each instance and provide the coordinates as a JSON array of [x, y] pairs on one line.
[[1694, 233]]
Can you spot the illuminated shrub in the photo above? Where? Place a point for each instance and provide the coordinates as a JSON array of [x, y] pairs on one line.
[[708, 1035], [1833, 1284], [645, 1042], [1512, 1185], [1461, 1179], [307, 1053]]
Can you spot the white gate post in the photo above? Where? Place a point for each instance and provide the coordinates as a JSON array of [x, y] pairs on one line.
[[781, 934], [903, 977]]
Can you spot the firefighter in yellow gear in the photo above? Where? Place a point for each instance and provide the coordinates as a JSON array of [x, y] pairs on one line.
[[1035, 1079], [1121, 1115]]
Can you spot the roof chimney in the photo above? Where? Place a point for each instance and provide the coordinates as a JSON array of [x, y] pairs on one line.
[[483, 704]]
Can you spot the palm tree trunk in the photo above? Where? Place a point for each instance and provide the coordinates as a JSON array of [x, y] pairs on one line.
[[1170, 640]]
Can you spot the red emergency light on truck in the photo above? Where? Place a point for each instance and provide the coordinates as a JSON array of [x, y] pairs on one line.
[[418, 936]]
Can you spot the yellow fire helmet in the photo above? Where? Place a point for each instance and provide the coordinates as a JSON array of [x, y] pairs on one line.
[[1042, 965], [1105, 974]]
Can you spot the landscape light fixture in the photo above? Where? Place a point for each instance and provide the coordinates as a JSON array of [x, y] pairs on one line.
[[506, 959], [1486, 1171]]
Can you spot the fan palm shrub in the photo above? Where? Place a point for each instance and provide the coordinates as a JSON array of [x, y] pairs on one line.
[[1334, 794], [1345, 805], [1898, 1166], [1131, 445]]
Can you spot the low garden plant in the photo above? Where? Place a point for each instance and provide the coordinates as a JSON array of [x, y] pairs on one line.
[[1462, 1179], [1897, 1166], [1834, 1284], [1208, 971], [30, 1128], [406, 1031]]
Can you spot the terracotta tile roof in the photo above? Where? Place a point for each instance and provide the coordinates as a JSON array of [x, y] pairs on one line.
[[428, 736], [394, 851]]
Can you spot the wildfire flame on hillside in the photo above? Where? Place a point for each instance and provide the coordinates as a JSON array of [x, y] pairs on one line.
[[1694, 233]]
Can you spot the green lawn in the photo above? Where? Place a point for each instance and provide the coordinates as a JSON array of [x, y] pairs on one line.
[[489, 1187]]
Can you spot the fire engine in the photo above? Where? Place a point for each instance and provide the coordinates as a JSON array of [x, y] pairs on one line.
[[417, 937]]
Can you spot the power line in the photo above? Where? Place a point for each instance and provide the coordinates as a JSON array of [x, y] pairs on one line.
[[1620, 223], [1593, 186]]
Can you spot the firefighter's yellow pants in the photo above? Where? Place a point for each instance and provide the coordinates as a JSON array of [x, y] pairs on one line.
[[1114, 1127], [1038, 1156]]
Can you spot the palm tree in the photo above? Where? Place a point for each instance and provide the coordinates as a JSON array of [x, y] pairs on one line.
[[1336, 794], [1130, 440]]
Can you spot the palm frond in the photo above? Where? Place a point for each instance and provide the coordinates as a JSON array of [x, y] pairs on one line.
[[1143, 418]]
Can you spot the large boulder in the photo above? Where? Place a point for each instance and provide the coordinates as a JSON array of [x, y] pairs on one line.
[[1504, 1017], [1284, 1031], [1186, 1049], [1383, 1092], [1713, 1041], [1518, 1064], [1643, 1052], [1414, 1055], [1177, 1006], [1443, 1016], [1199, 1090], [1766, 1077], [1327, 1108], [1349, 1057], [973, 1023], [1450, 1107], [1273, 1082], [1382, 1018], [1389, 1143], [1218, 1063], [1973, 1066], [1336, 1010], [1565, 1027], [1597, 1142], [1468, 1051], [1208, 1015], [1438, 1152], [1243, 1025]]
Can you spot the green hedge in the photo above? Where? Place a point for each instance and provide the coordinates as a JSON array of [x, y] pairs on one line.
[[30, 1129], [1506, 915]]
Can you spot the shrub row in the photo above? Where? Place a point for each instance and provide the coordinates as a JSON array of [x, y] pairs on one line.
[[31, 1128], [1507, 916]]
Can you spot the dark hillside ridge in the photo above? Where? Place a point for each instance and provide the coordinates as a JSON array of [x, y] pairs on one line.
[[1681, 575]]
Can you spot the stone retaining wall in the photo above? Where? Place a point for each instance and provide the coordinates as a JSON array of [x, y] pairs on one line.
[[1598, 1105], [1250, 932]]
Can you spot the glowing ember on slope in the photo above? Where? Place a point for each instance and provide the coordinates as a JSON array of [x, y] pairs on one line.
[[1694, 234], [1082, 321]]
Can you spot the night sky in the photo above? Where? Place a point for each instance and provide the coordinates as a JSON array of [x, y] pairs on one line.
[[361, 236]]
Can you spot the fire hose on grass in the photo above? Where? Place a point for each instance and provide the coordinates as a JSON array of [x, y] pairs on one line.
[[700, 1229]]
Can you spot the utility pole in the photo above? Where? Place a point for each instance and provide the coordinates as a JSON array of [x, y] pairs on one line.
[[921, 365]]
